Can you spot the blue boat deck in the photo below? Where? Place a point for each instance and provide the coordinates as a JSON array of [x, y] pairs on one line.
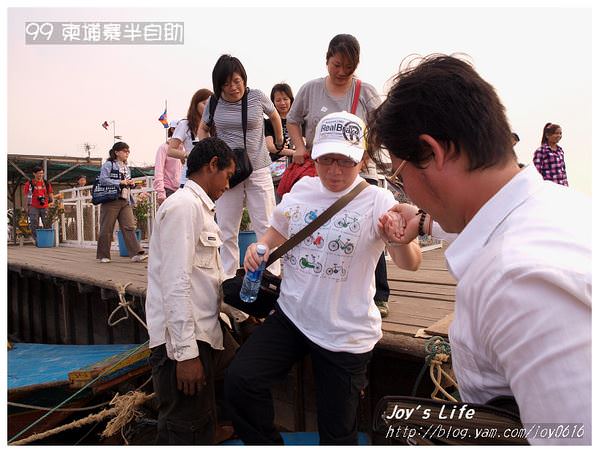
[[35, 364]]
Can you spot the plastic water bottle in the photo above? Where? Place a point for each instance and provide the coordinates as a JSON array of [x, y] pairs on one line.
[[251, 281]]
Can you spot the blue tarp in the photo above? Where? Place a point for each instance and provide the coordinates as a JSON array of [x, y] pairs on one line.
[[31, 363]]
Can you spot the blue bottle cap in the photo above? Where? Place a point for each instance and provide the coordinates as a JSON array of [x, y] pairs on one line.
[[261, 249]]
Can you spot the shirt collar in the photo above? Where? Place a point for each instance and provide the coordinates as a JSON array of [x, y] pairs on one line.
[[197, 189], [481, 227]]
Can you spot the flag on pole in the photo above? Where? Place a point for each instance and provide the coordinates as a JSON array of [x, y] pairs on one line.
[[105, 125], [163, 119]]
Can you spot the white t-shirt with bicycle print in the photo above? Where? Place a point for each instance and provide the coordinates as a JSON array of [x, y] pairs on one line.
[[328, 279]]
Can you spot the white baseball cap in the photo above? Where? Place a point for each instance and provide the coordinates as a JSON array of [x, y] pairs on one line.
[[340, 133]]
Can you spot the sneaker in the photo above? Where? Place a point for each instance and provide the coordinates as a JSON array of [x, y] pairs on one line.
[[383, 307], [139, 258], [105, 260]]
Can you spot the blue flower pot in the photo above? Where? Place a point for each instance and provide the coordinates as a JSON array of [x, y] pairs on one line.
[[45, 237], [244, 239], [122, 246]]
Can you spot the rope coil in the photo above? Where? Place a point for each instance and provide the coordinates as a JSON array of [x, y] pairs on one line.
[[124, 305], [124, 411], [438, 354]]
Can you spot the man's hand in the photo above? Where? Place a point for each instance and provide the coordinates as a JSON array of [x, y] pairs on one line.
[[190, 376], [411, 219]]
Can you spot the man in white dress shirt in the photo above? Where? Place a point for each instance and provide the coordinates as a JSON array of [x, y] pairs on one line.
[[189, 346], [522, 256]]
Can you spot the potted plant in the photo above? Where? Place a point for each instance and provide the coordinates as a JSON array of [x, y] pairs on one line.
[[46, 235], [246, 235], [141, 210]]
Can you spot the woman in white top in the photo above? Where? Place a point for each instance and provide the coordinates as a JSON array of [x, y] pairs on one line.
[[335, 93], [186, 130]]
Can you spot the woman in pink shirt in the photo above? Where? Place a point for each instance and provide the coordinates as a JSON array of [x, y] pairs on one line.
[[167, 170]]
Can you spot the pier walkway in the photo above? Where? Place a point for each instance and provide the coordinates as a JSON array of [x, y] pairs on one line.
[[419, 300]]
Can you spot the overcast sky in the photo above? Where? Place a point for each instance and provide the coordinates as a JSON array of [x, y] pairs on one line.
[[538, 59]]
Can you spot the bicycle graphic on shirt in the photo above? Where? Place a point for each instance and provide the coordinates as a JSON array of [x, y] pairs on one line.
[[317, 239], [306, 263], [312, 215], [346, 245], [348, 222], [336, 269], [293, 213]]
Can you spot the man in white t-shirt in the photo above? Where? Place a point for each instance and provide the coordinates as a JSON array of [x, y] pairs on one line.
[[326, 306], [522, 258]]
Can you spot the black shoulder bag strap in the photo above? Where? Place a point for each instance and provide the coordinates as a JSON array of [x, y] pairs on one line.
[[316, 223], [244, 115]]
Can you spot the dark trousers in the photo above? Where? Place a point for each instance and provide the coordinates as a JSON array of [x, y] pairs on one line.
[[182, 419], [35, 214], [267, 356], [380, 272]]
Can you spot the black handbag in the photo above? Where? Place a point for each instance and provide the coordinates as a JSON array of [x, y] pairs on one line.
[[104, 193], [243, 166], [271, 284]]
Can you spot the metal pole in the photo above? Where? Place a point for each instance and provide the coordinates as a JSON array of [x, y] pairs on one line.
[[166, 129]]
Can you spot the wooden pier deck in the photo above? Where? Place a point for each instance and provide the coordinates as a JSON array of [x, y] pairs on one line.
[[418, 299]]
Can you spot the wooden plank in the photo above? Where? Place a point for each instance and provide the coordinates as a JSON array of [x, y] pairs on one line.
[[80, 265], [101, 331], [24, 326], [440, 327], [51, 319], [80, 316], [431, 288], [66, 329], [14, 318]]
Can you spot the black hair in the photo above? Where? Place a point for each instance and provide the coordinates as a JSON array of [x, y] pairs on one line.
[[281, 88], [347, 46], [203, 152], [515, 137], [36, 169], [118, 146], [224, 68], [549, 129], [444, 97]]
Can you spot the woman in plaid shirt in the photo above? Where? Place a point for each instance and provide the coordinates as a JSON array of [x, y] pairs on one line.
[[549, 158]]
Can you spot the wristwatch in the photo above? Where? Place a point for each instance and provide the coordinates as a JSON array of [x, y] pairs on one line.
[[280, 147]]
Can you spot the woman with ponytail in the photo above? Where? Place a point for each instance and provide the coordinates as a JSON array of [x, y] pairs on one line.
[[549, 158]]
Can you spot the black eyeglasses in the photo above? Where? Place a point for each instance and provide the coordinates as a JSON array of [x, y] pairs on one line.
[[344, 163]]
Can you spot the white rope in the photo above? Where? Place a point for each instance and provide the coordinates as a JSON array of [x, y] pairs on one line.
[[124, 305], [68, 409]]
